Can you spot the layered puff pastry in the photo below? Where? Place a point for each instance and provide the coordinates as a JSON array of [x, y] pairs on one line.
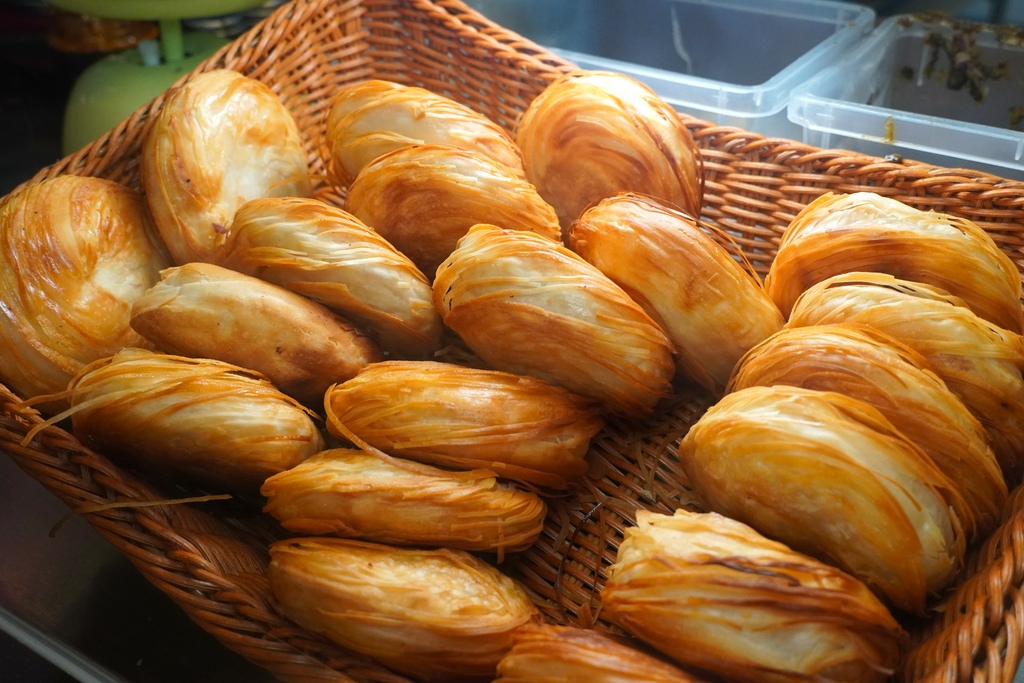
[[979, 361], [328, 255], [712, 309], [829, 476], [207, 311], [75, 254], [590, 134], [220, 139], [716, 595], [529, 306], [869, 365], [373, 117], [520, 427], [373, 497], [435, 615], [865, 231], [424, 198]]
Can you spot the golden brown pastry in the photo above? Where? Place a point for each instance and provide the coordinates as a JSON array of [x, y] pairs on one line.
[[424, 198], [979, 361], [330, 256], [373, 117], [220, 140], [355, 494], [532, 307], [864, 231], [548, 653], [75, 254], [712, 310], [829, 476], [195, 420], [207, 311], [438, 413], [591, 134], [436, 615], [869, 365], [714, 594]]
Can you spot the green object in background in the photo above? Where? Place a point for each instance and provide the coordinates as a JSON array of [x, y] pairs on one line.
[[112, 88], [154, 9]]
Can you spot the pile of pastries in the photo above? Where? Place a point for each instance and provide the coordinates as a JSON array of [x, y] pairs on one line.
[[225, 329]]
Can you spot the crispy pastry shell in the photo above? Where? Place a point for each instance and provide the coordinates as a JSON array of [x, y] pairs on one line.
[[75, 254], [979, 361], [371, 118], [529, 306], [712, 310], [355, 494], [566, 654], [330, 256], [829, 476], [591, 134], [436, 615], [866, 364], [195, 420], [424, 198], [438, 413], [864, 231], [207, 311], [714, 594], [220, 140]]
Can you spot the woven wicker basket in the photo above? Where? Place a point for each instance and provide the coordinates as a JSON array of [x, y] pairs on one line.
[[210, 560]]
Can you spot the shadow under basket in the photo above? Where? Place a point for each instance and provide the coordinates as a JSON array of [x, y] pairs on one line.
[[212, 562]]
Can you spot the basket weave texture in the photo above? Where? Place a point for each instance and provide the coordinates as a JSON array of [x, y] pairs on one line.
[[211, 559]]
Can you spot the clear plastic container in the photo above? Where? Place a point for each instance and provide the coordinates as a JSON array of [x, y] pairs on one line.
[[725, 61], [896, 93]]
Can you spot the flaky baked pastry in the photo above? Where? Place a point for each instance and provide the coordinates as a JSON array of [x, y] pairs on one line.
[[869, 365], [220, 140], [330, 256], [190, 420], [530, 306], [590, 134], [372, 117], [443, 414], [979, 361], [436, 615], [547, 653], [356, 494], [829, 476], [712, 309], [864, 231], [207, 311], [714, 594], [424, 198], [75, 254]]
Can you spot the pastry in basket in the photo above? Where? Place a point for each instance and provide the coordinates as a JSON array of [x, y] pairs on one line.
[[979, 361], [75, 254], [869, 365], [457, 417], [829, 476], [864, 231], [712, 309], [374, 497], [547, 653], [372, 117], [207, 311], [529, 306], [435, 615], [220, 140], [591, 134], [714, 594], [423, 198], [330, 256], [189, 420]]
